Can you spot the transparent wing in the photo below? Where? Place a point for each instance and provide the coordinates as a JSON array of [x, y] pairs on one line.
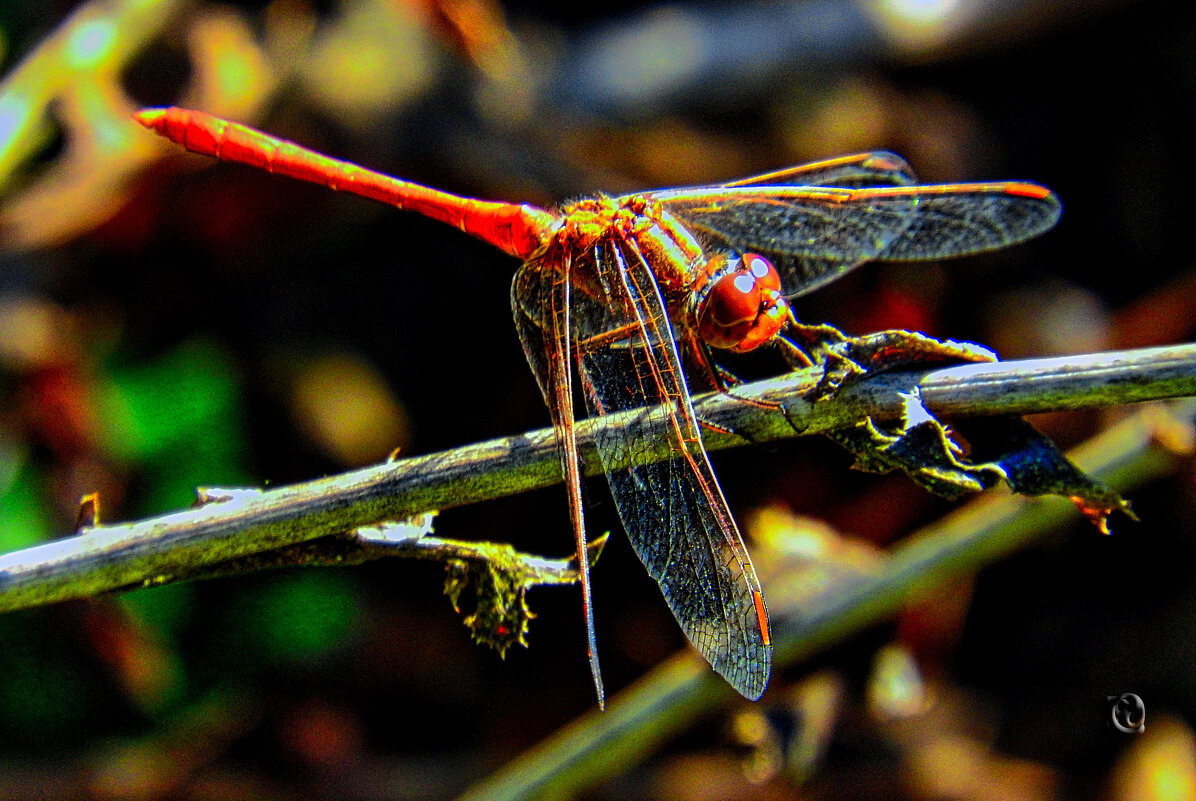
[[814, 234], [673, 510], [878, 168], [961, 219], [811, 234], [540, 300]]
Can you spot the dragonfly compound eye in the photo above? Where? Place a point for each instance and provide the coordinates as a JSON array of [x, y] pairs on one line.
[[740, 307]]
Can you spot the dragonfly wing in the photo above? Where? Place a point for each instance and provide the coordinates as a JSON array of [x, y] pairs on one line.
[[878, 168], [961, 219], [673, 510], [540, 299], [814, 234]]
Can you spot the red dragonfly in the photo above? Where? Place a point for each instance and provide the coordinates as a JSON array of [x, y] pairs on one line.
[[624, 289]]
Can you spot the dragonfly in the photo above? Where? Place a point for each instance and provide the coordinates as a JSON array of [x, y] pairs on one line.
[[628, 296]]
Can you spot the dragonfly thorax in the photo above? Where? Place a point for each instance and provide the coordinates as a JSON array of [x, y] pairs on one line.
[[738, 302], [641, 229]]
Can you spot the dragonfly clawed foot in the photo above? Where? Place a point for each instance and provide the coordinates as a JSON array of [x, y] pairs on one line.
[[726, 383], [918, 444], [844, 357], [823, 346], [1000, 449]]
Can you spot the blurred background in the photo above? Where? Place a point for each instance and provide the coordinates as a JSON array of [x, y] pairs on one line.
[[167, 322]]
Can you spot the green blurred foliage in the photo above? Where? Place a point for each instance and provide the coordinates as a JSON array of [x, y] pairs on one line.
[[46, 695], [178, 418], [303, 618], [25, 518]]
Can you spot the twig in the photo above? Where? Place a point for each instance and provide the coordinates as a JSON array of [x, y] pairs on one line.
[[410, 539], [185, 544]]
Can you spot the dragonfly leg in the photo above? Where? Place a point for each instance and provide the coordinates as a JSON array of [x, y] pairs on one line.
[[794, 355], [806, 346], [843, 357], [729, 382], [724, 382], [717, 376], [621, 334], [727, 379], [735, 432]]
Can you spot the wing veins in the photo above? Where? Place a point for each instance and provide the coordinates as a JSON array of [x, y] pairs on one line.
[[737, 652], [552, 362]]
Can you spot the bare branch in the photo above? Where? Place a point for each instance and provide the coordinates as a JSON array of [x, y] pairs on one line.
[[410, 539], [190, 543]]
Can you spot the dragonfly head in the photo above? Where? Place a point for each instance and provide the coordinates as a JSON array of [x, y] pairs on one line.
[[739, 305]]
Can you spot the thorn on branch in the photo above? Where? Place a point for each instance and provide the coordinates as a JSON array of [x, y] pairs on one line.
[[89, 512]]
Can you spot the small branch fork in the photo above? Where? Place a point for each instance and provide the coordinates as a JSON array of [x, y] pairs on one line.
[[345, 519]]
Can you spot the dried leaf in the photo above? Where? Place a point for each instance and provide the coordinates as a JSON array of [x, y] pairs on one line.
[[1005, 448]]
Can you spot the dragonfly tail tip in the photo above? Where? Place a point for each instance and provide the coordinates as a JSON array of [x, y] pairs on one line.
[[152, 118]]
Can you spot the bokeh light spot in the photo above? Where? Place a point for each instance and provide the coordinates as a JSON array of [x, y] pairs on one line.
[[921, 12], [89, 42]]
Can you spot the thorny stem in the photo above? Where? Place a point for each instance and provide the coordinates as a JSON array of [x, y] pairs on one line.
[[187, 544]]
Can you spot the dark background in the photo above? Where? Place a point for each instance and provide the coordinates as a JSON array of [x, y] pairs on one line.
[[212, 325]]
